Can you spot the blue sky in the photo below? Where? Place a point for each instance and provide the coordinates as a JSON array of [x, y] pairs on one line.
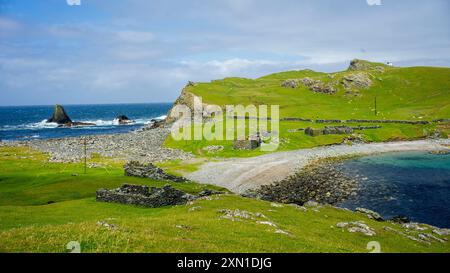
[[111, 51]]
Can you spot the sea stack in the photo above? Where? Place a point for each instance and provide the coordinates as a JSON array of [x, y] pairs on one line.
[[60, 116]]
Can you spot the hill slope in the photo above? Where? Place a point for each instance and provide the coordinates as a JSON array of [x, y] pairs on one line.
[[412, 93]]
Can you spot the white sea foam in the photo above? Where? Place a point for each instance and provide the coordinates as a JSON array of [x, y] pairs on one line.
[[99, 124]]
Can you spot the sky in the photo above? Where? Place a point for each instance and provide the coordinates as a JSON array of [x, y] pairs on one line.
[[136, 51]]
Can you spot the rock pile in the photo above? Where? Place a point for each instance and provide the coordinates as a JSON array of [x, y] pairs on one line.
[[319, 183], [148, 170], [144, 196]]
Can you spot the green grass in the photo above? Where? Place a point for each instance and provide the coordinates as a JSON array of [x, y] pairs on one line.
[[28, 224]]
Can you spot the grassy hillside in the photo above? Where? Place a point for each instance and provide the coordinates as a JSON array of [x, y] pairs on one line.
[[28, 224], [414, 93]]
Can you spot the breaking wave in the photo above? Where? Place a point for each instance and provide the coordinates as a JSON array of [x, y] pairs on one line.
[[99, 123]]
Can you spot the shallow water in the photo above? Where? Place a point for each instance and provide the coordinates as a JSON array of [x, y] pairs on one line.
[[29, 122], [414, 184]]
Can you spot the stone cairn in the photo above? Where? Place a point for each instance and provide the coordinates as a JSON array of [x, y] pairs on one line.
[[134, 168]]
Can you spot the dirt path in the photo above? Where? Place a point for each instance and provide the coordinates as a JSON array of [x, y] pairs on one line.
[[241, 174]]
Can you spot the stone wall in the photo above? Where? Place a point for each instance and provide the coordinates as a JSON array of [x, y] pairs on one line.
[[387, 121], [144, 196], [134, 168]]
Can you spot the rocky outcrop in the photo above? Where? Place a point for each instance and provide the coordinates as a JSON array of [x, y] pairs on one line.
[[370, 214], [312, 84], [62, 119], [318, 86], [290, 83], [149, 170], [60, 116], [356, 81], [144, 196], [362, 65], [357, 227], [123, 120], [186, 98], [358, 65]]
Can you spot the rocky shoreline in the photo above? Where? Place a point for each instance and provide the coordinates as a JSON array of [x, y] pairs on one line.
[[319, 182], [144, 145], [323, 183]]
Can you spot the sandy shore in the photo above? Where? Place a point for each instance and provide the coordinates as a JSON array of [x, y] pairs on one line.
[[241, 174]]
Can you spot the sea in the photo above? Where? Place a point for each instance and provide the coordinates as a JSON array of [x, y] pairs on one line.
[[412, 184], [30, 122]]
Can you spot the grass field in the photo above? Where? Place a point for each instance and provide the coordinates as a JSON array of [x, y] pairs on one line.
[[28, 224]]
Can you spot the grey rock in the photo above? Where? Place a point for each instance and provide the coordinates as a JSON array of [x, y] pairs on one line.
[[148, 170], [59, 116], [356, 81], [370, 214]]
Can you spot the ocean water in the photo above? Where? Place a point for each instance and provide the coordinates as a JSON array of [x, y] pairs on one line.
[[29, 122], [413, 184]]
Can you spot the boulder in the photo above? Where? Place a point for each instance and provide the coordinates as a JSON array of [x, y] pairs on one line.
[[122, 119], [60, 116]]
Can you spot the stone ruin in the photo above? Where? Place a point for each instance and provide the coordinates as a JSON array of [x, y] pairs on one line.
[[250, 143], [134, 168], [144, 196], [151, 197]]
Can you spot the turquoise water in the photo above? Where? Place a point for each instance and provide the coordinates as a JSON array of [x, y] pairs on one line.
[[29, 122], [413, 184]]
